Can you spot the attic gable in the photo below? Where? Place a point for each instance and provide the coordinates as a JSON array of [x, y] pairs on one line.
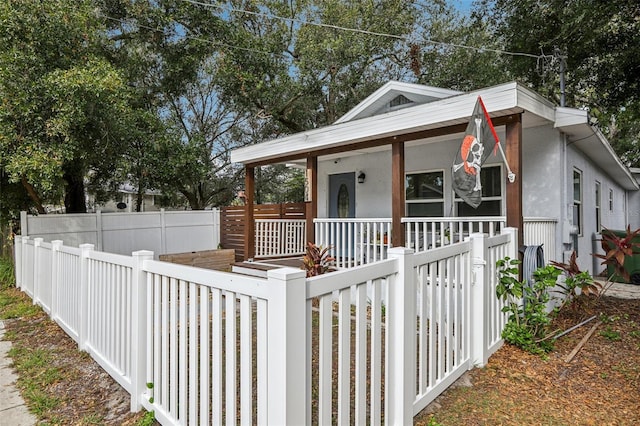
[[393, 96]]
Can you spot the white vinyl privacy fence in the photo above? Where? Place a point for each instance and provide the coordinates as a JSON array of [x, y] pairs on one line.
[[371, 344], [161, 232]]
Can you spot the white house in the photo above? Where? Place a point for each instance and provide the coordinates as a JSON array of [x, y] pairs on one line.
[[391, 157]]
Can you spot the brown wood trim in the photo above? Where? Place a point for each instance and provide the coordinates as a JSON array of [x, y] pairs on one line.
[[312, 203], [250, 225], [387, 140], [397, 194], [513, 153]]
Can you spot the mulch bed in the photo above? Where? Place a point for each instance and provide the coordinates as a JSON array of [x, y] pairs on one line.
[[599, 386]]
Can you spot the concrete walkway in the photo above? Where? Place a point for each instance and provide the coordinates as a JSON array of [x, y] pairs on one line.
[[622, 291], [13, 411]]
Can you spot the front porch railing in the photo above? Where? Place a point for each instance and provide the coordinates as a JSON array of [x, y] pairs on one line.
[[358, 241], [280, 237], [354, 241], [423, 233]]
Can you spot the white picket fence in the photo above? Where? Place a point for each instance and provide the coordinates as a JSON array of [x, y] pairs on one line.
[[205, 347]]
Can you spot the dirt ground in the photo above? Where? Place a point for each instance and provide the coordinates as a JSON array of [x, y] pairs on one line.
[[600, 386], [81, 393]]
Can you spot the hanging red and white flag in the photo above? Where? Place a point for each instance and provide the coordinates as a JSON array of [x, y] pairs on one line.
[[479, 140]]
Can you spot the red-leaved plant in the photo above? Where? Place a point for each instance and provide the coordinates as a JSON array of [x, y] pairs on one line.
[[317, 261], [617, 248], [576, 282]]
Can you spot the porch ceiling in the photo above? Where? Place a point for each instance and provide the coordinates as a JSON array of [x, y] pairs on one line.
[[431, 122]]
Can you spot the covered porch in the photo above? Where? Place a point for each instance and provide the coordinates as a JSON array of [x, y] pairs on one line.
[[357, 236]]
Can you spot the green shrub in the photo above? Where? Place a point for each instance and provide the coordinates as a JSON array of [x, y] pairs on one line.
[[527, 326], [7, 275]]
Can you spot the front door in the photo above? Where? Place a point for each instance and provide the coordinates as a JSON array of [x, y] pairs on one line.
[[342, 195]]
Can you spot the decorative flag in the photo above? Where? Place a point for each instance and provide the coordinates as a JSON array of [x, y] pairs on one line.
[[479, 140]]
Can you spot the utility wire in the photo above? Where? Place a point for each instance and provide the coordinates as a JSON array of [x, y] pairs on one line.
[[300, 21], [360, 31], [204, 40]]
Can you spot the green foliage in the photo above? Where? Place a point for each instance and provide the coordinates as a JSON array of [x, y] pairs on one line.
[[305, 76], [527, 326], [7, 273], [611, 334], [317, 260], [148, 419], [35, 372], [64, 104], [601, 43]]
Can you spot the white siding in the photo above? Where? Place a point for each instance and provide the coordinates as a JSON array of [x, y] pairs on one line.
[[611, 218]]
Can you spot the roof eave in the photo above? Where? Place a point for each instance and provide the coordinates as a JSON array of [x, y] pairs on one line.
[[590, 140], [500, 100]]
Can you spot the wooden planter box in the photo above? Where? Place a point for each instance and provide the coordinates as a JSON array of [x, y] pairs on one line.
[[220, 260]]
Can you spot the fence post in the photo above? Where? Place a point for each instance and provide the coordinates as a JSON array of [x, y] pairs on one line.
[[99, 231], [17, 247], [37, 270], [56, 245], [139, 328], [23, 263], [512, 251], [24, 223], [163, 231], [286, 348], [401, 332], [478, 298], [216, 227], [85, 250]]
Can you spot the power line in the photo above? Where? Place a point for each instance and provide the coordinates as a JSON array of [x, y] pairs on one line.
[[360, 31], [204, 40]]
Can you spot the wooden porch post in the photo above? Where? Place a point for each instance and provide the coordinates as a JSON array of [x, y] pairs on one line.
[[397, 194], [312, 197], [513, 152], [249, 223]]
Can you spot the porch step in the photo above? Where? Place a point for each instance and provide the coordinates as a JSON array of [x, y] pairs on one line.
[[252, 269]]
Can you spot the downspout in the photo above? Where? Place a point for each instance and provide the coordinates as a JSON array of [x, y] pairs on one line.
[[564, 224]]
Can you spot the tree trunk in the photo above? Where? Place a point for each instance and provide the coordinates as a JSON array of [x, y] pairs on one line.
[[33, 195], [139, 200], [191, 199], [74, 200]]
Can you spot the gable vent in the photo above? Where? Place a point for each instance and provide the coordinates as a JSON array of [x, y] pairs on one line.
[[399, 100]]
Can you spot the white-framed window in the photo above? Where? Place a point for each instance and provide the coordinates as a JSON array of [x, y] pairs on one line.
[[492, 200], [577, 200], [611, 200], [424, 194], [598, 206]]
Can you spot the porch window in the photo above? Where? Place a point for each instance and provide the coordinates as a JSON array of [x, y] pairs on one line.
[[491, 203], [425, 194], [598, 209], [577, 200]]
